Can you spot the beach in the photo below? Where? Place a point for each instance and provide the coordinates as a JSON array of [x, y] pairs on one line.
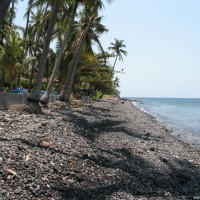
[[107, 149]]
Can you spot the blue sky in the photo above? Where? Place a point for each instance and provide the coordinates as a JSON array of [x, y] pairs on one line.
[[163, 44]]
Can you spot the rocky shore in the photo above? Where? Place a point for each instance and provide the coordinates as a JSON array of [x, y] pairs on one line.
[[102, 150]]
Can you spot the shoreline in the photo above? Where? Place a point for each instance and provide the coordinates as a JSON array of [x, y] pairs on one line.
[[104, 150], [185, 135]]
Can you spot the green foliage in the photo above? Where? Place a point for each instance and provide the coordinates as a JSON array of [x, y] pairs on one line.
[[5, 89], [24, 83], [11, 55], [117, 50], [20, 57], [98, 95]]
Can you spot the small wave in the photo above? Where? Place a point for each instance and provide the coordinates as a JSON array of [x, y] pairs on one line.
[[141, 108], [135, 103], [187, 136]]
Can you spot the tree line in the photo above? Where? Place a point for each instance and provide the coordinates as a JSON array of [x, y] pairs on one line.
[[75, 25]]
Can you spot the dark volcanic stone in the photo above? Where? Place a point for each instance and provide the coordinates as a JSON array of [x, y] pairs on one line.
[[152, 149], [3, 191], [103, 150], [17, 191]]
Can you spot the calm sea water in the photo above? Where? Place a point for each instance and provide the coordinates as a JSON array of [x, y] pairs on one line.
[[179, 113]]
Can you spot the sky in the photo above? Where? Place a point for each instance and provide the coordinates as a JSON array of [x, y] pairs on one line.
[[162, 38]]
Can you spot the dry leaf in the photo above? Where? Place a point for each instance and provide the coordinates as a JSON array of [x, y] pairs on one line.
[[27, 157], [45, 178], [9, 177], [45, 144], [10, 171], [73, 162]]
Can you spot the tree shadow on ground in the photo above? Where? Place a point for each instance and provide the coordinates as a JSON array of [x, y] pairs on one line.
[[34, 145], [138, 177], [132, 173], [92, 130], [94, 113]]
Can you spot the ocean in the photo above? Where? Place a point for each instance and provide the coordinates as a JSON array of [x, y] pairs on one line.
[[182, 115]]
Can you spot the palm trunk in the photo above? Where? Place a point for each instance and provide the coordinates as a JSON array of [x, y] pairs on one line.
[[47, 72], [11, 83], [45, 97], [35, 51], [12, 12], [28, 18], [43, 20], [61, 80], [18, 79], [2, 79], [31, 79], [3, 8], [67, 90], [27, 24], [1, 35], [61, 97], [35, 96], [114, 63]]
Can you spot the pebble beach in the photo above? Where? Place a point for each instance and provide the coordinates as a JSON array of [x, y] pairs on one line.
[[106, 150]]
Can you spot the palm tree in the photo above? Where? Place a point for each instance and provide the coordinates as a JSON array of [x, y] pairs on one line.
[[35, 96], [12, 11], [100, 28], [11, 55], [34, 38], [3, 8], [45, 97], [30, 3], [67, 89], [118, 51]]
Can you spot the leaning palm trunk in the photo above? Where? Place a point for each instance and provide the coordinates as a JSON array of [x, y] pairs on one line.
[[42, 24], [28, 17], [35, 50], [27, 21], [115, 63], [3, 8], [12, 12], [45, 97], [67, 90], [62, 95], [35, 96]]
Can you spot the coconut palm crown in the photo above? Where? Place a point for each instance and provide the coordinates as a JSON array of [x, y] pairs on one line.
[[118, 51]]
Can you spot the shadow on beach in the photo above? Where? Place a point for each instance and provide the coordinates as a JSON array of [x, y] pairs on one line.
[[139, 178], [109, 159], [135, 175]]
